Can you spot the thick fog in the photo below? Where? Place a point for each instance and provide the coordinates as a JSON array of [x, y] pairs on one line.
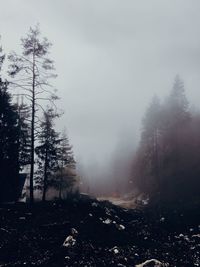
[[111, 57]]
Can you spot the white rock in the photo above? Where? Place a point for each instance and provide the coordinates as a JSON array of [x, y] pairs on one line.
[[162, 219], [22, 218], [197, 235], [107, 221], [120, 227], [69, 242], [115, 250], [74, 232], [154, 261]]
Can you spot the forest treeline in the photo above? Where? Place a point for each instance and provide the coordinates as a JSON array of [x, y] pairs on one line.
[[166, 167], [30, 146]]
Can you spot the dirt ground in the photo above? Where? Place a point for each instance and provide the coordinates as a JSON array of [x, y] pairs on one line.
[[87, 232]]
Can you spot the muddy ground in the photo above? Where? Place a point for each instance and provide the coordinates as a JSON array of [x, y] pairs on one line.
[[89, 233]]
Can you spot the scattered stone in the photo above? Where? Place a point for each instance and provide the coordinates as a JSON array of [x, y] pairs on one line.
[[107, 221], [74, 232], [152, 263], [120, 227], [22, 218], [94, 204], [115, 250], [69, 242]]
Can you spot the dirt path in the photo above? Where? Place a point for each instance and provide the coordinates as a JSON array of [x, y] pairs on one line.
[[127, 204]]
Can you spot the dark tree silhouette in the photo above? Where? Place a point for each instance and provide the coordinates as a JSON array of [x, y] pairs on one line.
[[32, 71], [148, 157], [65, 176], [9, 135], [165, 166], [8, 142], [24, 141], [47, 152]]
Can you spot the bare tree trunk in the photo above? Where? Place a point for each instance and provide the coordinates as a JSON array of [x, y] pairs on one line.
[[32, 153], [45, 178], [60, 192], [32, 134], [60, 186]]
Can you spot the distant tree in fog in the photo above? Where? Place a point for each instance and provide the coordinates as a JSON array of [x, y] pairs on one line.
[[65, 177], [165, 166], [147, 163]]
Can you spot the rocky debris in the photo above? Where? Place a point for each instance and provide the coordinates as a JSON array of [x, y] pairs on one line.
[[65, 234]]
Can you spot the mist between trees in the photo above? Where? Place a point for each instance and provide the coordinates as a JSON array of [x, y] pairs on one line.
[[164, 167]]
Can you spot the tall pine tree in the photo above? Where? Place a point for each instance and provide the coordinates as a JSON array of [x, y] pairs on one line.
[[47, 152], [9, 135], [33, 69], [65, 176]]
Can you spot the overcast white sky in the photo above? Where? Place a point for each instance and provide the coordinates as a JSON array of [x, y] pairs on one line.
[[111, 57]]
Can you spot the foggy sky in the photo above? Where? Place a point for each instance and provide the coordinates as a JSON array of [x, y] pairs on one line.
[[111, 57]]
